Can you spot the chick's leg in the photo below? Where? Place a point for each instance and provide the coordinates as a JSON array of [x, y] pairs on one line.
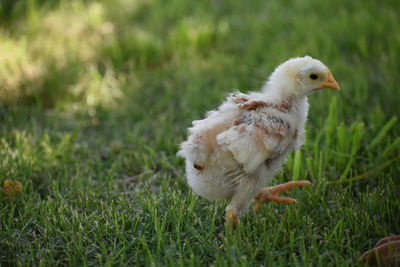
[[241, 199], [272, 193]]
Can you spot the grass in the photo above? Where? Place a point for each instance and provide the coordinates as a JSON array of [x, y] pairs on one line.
[[96, 97]]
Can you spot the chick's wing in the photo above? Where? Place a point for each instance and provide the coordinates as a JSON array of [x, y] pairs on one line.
[[256, 136]]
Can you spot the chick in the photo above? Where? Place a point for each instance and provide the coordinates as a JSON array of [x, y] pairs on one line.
[[234, 152]]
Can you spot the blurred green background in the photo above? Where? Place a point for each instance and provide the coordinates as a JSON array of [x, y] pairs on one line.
[[95, 97]]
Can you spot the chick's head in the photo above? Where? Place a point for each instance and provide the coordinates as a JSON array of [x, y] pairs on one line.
[[299, 77]]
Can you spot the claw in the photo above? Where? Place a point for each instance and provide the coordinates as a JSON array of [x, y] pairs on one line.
[[271, 193]]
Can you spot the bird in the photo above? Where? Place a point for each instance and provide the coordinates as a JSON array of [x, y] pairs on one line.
[[236, 149]]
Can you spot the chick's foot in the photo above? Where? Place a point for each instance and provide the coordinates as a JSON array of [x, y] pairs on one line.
[[231, 218], [272, 193]]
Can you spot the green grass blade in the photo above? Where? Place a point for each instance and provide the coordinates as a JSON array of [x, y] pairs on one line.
[[297, 165], [382, 133]]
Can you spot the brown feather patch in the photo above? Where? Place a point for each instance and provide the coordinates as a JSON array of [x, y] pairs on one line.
[[265, 131], [209, 137], [253, 105], [239, 99], [238, 121], [284, 106], [258, 135], [295, 134], [242, 129]]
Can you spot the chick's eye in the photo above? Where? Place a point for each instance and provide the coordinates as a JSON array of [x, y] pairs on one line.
[[313, 76]]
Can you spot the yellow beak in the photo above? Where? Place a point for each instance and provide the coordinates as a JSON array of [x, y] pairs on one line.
[[331, 83]]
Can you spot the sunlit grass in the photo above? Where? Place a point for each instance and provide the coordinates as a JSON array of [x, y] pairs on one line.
[[60, 43], [97, 95]]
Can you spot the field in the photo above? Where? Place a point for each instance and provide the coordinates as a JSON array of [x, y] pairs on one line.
[[95, 98]]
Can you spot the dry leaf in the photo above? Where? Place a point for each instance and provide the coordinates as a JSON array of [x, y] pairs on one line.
[[386, 252], [12, 189]]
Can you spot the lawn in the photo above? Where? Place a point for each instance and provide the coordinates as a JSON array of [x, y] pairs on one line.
[[95, 97]]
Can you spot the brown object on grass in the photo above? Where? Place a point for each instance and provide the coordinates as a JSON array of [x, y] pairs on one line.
[[12, 189], [386, 252]]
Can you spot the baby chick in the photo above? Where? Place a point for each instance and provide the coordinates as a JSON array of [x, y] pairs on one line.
[[234, 152]]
